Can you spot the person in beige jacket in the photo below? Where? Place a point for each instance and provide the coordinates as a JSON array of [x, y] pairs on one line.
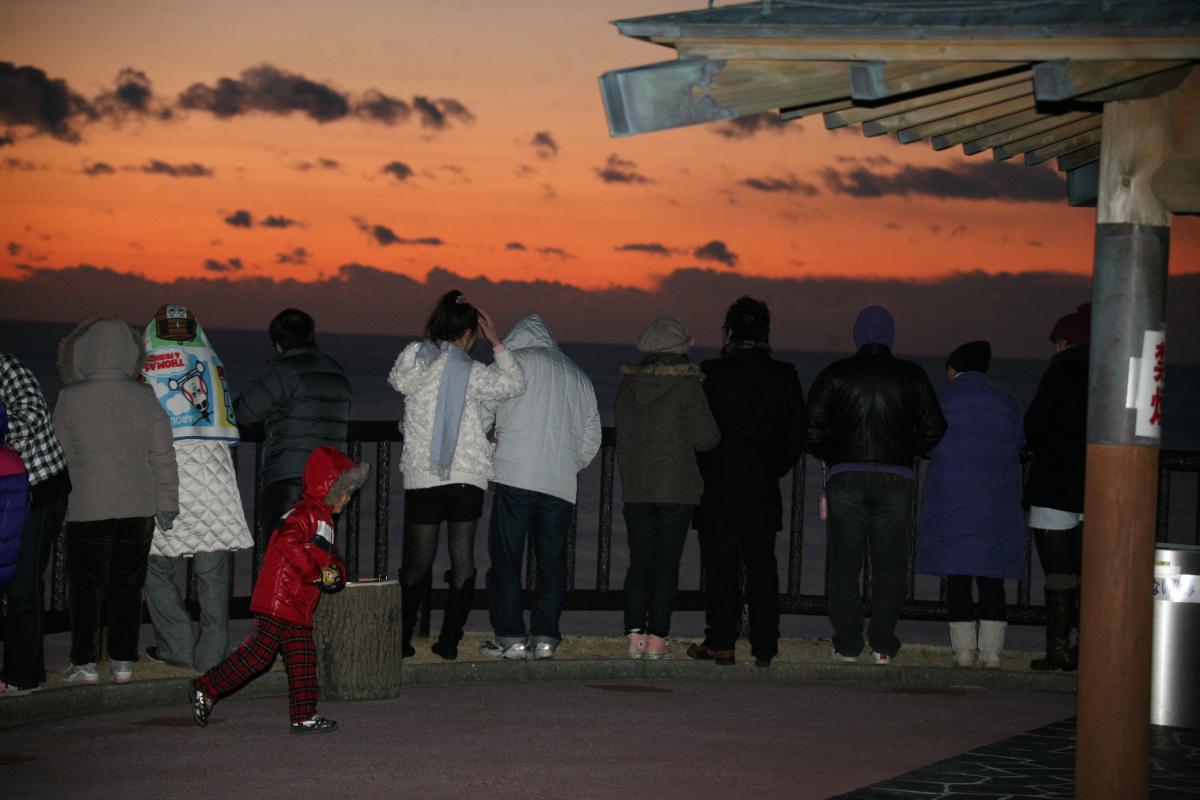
[[121, 456]]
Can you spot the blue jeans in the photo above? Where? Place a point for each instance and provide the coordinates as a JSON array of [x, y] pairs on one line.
[[546, 519], [867, 510], [657, 532]]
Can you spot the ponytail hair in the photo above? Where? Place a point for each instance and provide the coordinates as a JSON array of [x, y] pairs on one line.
[[451, 318]]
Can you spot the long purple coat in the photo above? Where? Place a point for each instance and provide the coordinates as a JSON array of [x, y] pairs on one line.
[[14, 502], [972, 522]]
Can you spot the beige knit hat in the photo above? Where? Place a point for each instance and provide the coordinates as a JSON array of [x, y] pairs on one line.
[[665, 335]]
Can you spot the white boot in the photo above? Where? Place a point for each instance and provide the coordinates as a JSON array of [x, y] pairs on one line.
[[991, 642], [963, 642]]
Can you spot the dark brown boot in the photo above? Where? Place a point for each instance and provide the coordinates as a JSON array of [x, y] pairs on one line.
[[411, 598], [1060, 617]]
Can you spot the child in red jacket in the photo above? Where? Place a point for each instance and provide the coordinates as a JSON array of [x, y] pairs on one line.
[[299, 564]]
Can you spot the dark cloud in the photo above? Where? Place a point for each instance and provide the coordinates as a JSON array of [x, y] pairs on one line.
[[1034, 242], [544, 145], [240, 219], [437, 114], [515, 246], [717, 251], [11, 164], [228, 265], [524, 171], [746, 127], [320, 163], [554, 252], [193, 170], [378, 107], [30, 99], [813, 313], [297, 255], [620, 170], [269, 90], [398, 170], [967, 181], [892, 226], [788, 185], [277, 221], [5, 140], [132, 96], [14, 248], [385, 236], [873, 161], [653, 248], [98, 168]]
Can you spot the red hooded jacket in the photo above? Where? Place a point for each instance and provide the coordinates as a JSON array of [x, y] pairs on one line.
[[301, 545]]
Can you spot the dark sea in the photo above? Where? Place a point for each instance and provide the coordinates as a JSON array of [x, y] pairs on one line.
[[367, 360]]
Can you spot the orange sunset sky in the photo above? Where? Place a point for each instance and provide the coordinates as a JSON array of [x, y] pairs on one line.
[[501, 165]]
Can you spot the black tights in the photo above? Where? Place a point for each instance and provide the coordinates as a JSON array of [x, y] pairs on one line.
[[420, 548], [1059, 552], [958, 598]]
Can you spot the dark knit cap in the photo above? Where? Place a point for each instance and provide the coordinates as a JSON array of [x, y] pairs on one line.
[[875, 325], [1075, 328], [971, 357]]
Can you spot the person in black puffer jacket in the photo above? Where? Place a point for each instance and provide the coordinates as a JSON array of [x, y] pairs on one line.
[[302, 399], [870, 417], [1056, 437]]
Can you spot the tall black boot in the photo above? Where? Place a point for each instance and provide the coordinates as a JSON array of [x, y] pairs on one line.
[[458, 608], [411, 598], [1060, 617]]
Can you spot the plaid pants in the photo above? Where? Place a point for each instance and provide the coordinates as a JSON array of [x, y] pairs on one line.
[[255, 656]]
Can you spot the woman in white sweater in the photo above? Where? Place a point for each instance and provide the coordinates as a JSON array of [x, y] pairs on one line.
[[447, 458]]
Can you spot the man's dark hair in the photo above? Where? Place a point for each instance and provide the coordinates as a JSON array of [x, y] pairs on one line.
[[451, 318], [748, 320], [292, 328]]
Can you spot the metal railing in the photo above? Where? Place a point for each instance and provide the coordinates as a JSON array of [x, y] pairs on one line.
[[382, 434]]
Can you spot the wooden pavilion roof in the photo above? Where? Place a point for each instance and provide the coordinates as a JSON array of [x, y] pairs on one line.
[[1022, 78]]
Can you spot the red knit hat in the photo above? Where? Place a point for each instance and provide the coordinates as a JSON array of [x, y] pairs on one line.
[[1075, 328]]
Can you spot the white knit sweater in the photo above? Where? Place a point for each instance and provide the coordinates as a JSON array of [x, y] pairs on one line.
[[419, 383]]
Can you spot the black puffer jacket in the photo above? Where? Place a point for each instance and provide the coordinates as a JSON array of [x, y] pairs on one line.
[[873, 408], [758, 404], [1056, 433], [302, 398]]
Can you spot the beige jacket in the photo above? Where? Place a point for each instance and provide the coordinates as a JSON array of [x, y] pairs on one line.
[[114, 433]]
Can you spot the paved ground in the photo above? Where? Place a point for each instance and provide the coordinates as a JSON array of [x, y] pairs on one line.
[[554, 739]]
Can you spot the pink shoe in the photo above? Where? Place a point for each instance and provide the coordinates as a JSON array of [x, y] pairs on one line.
[[657, 647], [637, 645]]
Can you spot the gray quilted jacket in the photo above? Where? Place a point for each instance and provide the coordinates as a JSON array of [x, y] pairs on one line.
[[114, 433]]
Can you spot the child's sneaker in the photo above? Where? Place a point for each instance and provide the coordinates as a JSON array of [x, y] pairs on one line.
[[880, 659], [637, 645], [517, 651], [317, 724], [122, 671], [202, 706], [657, 647], [82, 673]]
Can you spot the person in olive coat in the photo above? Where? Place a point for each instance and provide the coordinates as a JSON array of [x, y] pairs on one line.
[[758, 404]]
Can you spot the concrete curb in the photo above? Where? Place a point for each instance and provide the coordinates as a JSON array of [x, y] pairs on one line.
[[75, 701]]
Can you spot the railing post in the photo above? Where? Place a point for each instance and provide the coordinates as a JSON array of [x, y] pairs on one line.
[[796, 526], [383, 497], [260, 536], [573, 532], [608, 457], [353, 517]]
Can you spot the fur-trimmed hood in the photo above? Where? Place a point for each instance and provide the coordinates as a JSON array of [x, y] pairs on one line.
[[100, 348], [650, 380]]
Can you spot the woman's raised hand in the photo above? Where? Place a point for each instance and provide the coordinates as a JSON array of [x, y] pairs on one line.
[[488, 328]]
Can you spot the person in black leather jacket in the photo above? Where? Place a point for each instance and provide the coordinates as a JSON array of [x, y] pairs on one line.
[[870, 417], [302, 398]]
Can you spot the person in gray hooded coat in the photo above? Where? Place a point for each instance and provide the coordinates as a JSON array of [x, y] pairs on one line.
[[119, 449]]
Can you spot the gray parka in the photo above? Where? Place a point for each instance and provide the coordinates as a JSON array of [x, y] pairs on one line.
[[114, 433]]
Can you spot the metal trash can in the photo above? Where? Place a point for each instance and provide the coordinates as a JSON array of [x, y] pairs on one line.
[[1174, 686]]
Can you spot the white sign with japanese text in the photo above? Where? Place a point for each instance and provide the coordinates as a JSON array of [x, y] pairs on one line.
[[1151, 378]]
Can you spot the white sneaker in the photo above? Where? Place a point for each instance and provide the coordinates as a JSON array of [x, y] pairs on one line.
[[543, 650], [517, 651], [880, 659], [845, 659], [81, 673], [122, 671]]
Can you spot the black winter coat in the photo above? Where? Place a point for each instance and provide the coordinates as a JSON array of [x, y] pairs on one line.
[[302, 398], [1056, 433], [873, 408], [758, 404]]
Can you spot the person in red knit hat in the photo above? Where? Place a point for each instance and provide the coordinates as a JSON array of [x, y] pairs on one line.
[[299, 564]]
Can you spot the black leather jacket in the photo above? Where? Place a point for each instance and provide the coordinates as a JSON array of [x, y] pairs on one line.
[[873, 408]]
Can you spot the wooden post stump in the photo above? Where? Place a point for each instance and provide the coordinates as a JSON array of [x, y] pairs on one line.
[[357, 632]]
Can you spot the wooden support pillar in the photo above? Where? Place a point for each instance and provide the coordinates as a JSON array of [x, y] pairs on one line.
[[1128, 299]]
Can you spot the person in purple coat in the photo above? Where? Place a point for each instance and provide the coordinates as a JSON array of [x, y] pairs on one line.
[[972, 523], [14, 507]]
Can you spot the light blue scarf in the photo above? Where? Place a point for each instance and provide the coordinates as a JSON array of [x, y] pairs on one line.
[[452, 399]]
